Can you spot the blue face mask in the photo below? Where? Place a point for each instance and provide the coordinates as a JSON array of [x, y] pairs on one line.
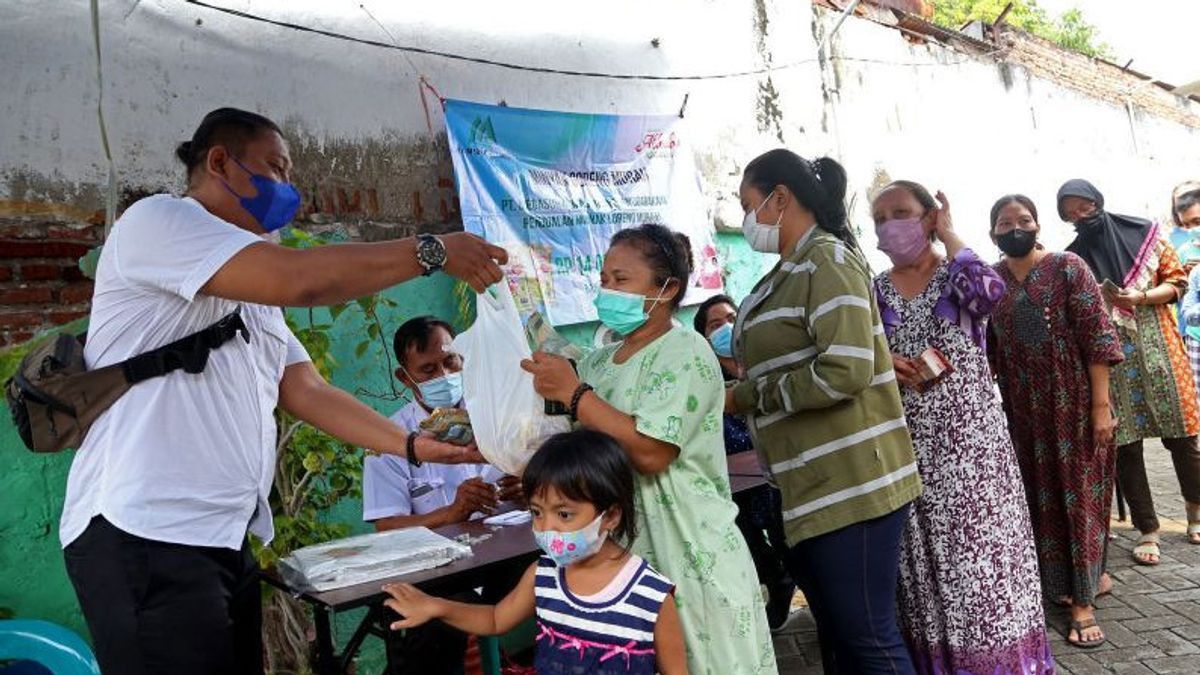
[[442, 392], [624, 312], [274, 205], [722, 341], [565, 548]]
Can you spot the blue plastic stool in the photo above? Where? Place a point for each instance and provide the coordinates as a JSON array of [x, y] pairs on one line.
[[48, 644]]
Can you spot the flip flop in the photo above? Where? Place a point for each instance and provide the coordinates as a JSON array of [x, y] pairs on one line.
[[1079, 627], [1147, 544]]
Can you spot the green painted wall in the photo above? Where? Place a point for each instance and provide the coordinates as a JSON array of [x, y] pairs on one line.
[[33, 581]]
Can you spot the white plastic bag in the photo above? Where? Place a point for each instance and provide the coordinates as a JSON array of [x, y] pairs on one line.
[[369, 557], [508, 417]]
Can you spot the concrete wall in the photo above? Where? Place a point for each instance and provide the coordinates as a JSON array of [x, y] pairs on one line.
[[368, 165]]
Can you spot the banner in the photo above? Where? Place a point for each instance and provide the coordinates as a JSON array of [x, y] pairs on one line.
[[553, 187]]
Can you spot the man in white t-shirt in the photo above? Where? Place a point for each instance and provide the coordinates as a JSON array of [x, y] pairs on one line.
[[397, 493], [173, 476]]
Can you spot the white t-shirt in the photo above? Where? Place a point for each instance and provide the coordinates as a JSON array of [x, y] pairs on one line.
[[186, 459], [393, 487]]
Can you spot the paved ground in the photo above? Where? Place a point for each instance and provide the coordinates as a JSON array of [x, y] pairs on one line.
[[1152, 618]]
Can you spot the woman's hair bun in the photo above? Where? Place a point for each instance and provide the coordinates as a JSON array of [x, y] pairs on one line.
[[183, 152]]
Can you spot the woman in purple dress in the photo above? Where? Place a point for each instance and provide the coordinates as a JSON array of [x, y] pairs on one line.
[[970, 602]]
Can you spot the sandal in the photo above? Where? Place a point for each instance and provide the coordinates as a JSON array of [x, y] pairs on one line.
[[1147, 545], [1193, 527], [1079, 627]]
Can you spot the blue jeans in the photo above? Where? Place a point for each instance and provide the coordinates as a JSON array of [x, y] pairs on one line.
[[849, 578]]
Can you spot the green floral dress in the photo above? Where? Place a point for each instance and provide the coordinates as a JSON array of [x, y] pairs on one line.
[[673, 389]]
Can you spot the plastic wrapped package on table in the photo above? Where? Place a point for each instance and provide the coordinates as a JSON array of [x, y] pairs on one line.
[[369, 557]]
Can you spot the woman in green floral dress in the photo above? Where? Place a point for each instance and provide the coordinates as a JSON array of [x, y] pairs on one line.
[[659, 392]]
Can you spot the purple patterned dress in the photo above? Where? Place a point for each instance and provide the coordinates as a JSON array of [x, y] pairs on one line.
[[970, 601]]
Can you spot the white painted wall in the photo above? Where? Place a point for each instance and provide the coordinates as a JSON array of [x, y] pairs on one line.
[[911, 111]]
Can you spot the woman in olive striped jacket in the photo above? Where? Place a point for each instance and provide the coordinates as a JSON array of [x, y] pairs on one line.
[[825, 409]]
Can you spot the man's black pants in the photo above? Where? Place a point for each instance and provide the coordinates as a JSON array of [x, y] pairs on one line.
[[154, 607]]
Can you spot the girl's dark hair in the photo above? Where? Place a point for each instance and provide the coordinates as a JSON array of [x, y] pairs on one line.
[[228, 127], [1184, 202], [586, 466], [700, 322], [819, 185], [1011, 199], [668, 253]]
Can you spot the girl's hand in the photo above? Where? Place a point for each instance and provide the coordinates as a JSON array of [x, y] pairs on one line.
[[412, 605], [553, 377], [906, 371], [1103, 425]]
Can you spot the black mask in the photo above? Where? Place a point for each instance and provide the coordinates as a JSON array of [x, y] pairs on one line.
[[1016, 243], [1090, 224]]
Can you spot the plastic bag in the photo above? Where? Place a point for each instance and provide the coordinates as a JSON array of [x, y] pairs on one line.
[[508, 417], [369, 557]]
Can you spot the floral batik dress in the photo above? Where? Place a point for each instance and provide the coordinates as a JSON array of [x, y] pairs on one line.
[[1046, 332], [969, 598]]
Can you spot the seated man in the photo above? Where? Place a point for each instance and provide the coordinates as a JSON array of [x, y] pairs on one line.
[[397, 493]]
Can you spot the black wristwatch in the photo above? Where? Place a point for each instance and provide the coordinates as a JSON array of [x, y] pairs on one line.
[[431, 253], [411, 446]]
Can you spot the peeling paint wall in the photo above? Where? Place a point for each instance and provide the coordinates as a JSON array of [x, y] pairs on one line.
[[369, 166]]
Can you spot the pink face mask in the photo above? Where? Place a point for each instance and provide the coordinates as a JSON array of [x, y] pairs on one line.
[[902, 240]]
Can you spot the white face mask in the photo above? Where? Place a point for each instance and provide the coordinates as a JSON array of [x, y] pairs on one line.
[[762, 238]]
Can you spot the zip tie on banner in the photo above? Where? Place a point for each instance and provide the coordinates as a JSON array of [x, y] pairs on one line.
[[422, 86]]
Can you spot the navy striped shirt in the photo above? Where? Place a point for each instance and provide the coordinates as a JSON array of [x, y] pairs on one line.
[[603, 638]]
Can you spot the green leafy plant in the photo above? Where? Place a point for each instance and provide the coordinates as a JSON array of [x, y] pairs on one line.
[[313, 472], [1069, 30]]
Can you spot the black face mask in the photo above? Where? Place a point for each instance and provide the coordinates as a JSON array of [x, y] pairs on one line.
[[1016, 243], [1090, 224]]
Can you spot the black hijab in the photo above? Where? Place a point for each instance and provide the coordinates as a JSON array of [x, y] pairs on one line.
[[1111, 244]]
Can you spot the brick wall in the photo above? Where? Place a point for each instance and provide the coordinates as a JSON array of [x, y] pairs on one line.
[[40, 283], [1093, 77]]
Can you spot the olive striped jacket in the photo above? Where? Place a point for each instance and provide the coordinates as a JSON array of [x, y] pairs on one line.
[[826, 413]]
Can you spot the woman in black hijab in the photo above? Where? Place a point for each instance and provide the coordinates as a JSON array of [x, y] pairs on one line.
[[1152, 391], [1111, 244]]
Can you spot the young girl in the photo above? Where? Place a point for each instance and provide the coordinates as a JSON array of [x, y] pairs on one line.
[[600, 609]]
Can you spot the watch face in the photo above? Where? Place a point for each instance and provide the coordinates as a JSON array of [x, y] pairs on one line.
[[431, 252]]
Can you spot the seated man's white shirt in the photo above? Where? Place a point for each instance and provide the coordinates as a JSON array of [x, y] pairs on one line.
[[394, 487], [182, 458]]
